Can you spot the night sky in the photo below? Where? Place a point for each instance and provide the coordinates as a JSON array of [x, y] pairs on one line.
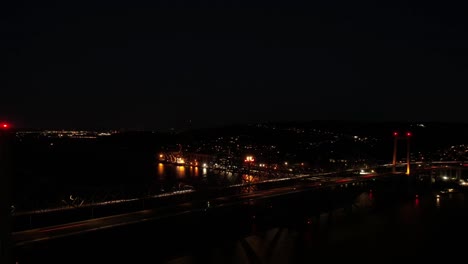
[[173, 63]]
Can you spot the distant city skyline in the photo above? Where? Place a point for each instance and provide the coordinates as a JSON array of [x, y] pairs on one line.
[[146, 65]]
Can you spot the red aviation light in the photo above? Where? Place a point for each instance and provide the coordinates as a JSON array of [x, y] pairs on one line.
[[5, 126]]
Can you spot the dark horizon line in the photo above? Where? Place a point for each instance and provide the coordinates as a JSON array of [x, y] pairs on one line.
[[237, 124]]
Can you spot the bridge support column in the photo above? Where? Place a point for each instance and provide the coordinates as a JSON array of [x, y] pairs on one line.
[[5, 198], [408, 156], [395, 144]]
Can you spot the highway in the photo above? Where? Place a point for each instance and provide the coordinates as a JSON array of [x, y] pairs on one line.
[[25, 237]]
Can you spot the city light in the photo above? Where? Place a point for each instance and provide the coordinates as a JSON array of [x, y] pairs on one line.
[[408, 134], [249, 159], [5, 125], [395, 134]]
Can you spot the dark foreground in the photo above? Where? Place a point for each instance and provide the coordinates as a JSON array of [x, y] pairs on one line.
[[373, 226]]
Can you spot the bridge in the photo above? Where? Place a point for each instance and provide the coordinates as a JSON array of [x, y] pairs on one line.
[[201, 204], [449, 170]]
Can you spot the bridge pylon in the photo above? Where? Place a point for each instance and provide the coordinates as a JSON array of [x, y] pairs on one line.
[[397, 137], [6, 138]]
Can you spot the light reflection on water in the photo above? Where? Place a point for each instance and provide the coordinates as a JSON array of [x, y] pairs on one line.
[[161, 174], [180, 172], [171, 176]]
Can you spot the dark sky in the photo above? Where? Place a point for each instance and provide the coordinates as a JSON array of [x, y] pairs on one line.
[[158, 64]]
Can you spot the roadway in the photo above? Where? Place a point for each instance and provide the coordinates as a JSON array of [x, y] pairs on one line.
[[45, 233], [25, 237]]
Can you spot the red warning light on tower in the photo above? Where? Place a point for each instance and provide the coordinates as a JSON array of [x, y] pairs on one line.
[[408, 134], [4, 125]]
